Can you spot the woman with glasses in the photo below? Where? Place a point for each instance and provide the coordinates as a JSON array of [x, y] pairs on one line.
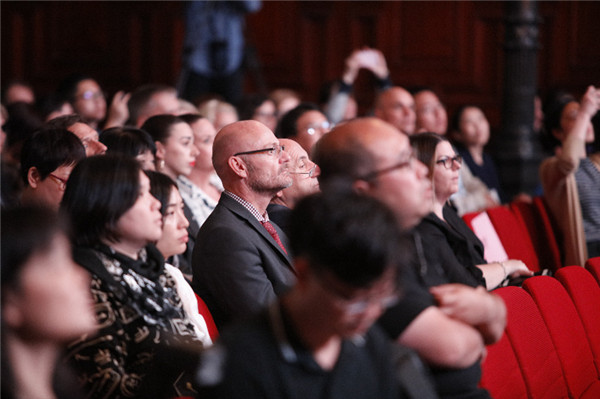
[[459, 253], [115, 221]]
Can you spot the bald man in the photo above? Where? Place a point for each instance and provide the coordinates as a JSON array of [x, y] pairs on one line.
[[372, 157], [241, 260], [397, 107]]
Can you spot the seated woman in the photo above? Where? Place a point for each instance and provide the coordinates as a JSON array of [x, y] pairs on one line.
[[571, 181], [115, 220], [173, 242], [46, 302], [462, 252]]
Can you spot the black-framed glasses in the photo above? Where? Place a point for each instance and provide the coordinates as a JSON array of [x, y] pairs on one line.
[[275, 150], [407, 163], [309, 173], [62, 183], [448, 162]]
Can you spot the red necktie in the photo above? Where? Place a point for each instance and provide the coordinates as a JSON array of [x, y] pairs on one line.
[[274, 234]]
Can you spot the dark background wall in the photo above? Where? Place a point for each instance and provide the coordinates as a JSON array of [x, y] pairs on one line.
[[455, 47]]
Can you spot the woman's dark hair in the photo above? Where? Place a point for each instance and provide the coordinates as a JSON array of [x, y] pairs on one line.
[[67, 89], [161, 186], [454, 126], [287, 126], [424, 145], [352, 236], [127, 141], [159, 126], [553, 109], [49, 149], [99, 191], [191, 118], [25, 231]]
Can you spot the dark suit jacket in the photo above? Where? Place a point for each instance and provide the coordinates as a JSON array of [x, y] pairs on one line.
[[280, 214], [238, 268]]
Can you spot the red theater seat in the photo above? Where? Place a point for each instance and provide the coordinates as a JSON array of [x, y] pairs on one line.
[[567, 334], [593, 266], [210, 323]]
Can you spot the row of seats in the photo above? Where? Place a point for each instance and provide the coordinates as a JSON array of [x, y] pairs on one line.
[[525, 231], [551, 345]]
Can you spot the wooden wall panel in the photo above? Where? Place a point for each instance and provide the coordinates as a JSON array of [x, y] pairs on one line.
[[454, 46]]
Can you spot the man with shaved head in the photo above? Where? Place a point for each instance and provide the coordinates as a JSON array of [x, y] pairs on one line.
[[397, 106], [448, 324], [241, 260]]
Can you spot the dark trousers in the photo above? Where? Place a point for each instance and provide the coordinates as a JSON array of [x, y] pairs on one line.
[[194, 86]]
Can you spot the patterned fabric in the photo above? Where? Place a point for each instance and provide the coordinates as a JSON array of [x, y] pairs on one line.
[[588, 186], [139, 313], [273, 233], [199, 203], [248, 206]]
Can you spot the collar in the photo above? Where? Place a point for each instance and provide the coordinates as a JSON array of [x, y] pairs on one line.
[[248, 206]]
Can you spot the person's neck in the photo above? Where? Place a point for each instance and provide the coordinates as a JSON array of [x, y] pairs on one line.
[[201, 179], [124, 247], [281, 201], [477, 154], [32, 366], [324, 346], [259, 200]]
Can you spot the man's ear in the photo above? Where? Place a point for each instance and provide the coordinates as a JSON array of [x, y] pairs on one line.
[[361, 186], [33, 177], [238, 166]]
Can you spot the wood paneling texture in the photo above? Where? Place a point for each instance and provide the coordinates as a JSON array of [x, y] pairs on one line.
[[455, 47]]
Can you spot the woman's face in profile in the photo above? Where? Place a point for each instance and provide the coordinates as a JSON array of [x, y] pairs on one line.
[[53, 301]]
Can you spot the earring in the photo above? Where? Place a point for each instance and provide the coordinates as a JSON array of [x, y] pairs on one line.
[[161, 164]]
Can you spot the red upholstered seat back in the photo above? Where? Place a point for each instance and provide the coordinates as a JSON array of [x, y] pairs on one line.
[[567, 334], [210, 323], [532, 346], [535, 220], [514, 236], [585, 293], [593, 266]]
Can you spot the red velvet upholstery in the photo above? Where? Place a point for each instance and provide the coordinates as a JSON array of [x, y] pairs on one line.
[[468, 217], [501, 373], [593, 266], [533, 348], [210, 323], [537, 224], [567, 334], [585, 293], [514, 236]]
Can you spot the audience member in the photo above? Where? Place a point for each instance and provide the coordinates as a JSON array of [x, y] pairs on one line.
[[114, 220], [132, 142], [240, 260], [458, 250], [571, 180], [23, 119], [46, 303], [52, 106], [471, 131], [220, 113], [285, 99], [47, 159], [260, 108], [17, 90], [448, 325], [318, 340], [173, 242], [431, 115], [89, 101], [201, 189], [396, 105], [88, 136], [304, 174], [214, 49], [339, 104], [149, 100], [304, 124]]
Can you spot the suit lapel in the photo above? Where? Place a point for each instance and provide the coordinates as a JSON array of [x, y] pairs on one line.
[[245, 214]]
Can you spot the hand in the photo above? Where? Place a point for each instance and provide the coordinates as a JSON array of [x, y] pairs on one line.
[[118, 113], [590, 103], [353, 65], [461, 302], [516, 268], [374, 60]]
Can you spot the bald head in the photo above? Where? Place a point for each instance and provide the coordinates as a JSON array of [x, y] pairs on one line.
[[397, 106]]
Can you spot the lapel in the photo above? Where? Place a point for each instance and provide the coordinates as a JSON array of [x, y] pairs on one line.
[[239, 210]]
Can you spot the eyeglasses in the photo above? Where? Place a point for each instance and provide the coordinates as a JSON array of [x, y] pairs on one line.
[[448, 162], [354, 306], [310, 173], [275, 150], [62, 183], [407, 163], [325, 125], [91, 95]]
